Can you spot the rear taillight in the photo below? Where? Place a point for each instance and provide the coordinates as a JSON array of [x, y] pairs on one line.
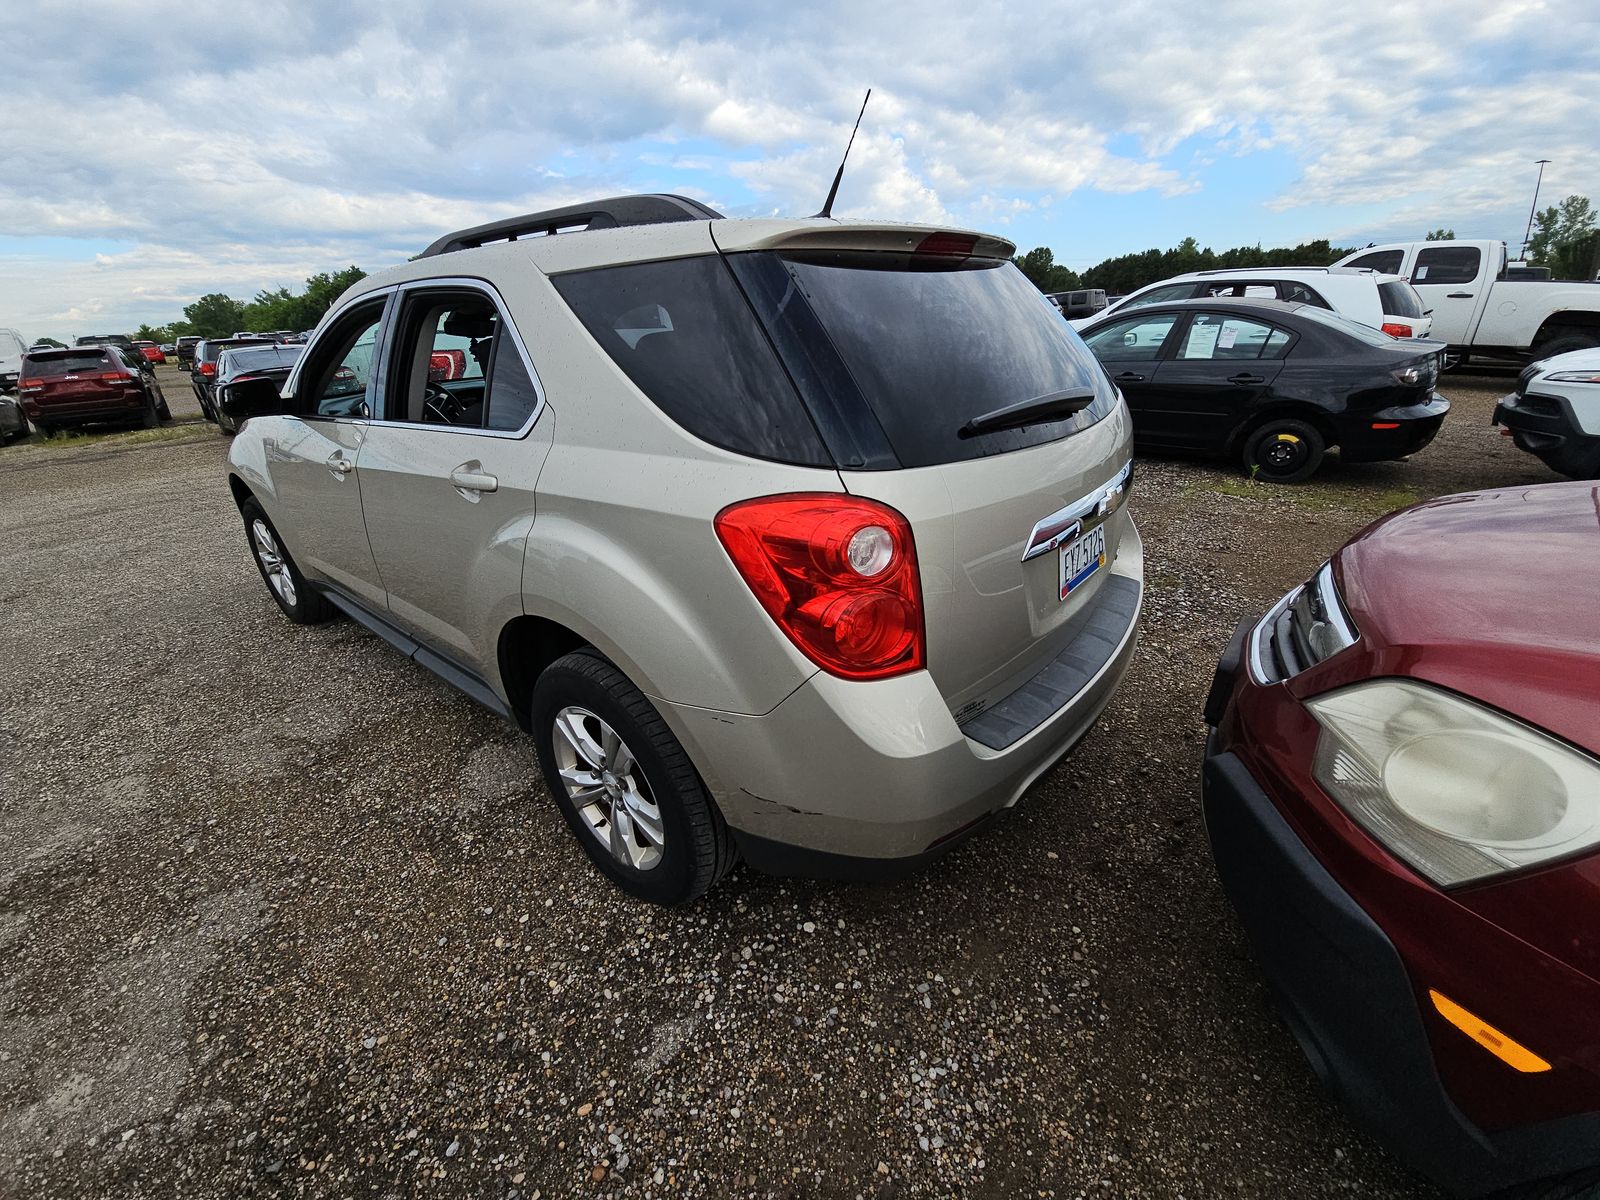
[[31, 385], [839, 576], [208, 368], [113, 377], [1395, 329]]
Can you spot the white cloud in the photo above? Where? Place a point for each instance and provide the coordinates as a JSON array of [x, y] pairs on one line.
[[290, 137]]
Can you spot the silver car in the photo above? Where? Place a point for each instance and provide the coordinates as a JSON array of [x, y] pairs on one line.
[[801, 541]]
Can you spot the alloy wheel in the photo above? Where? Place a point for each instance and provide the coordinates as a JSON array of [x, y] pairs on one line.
[[273, 564], [608, 789]]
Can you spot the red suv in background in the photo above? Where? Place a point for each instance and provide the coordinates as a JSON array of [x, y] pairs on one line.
[[1402, 791], [88, 384], [152, 352]]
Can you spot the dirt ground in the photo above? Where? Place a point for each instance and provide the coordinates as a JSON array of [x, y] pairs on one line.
[[280, 913]]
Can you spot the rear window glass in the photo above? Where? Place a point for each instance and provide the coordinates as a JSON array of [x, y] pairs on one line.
[[686, 337], [925, 347], [1365, 333], [53, 366], [1385, 262], [1400, 299], [264, 359]]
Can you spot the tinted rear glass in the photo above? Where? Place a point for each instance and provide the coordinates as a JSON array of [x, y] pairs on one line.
[[686, 337], [1447, 264], [72, 362], [1400, 299], [264, 359], [925, 346]]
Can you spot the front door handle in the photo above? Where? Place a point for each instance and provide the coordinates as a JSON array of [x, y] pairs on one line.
[[339, 464], [1129, 377], [473, 481], [1244, 378], [1459, 296]]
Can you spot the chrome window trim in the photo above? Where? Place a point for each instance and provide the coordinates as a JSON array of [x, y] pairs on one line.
[[1081, 515], [463, 282]]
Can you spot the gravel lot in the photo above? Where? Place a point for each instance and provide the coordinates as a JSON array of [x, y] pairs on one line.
[[282, 914]]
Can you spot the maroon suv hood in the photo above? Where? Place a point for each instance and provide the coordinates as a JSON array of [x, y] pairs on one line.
[[1493, 594]]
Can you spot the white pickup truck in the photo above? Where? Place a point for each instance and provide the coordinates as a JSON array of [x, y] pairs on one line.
[[1481, 313]]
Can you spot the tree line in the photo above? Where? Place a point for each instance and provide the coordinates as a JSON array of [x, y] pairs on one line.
[[217, 315], [1565, 239]]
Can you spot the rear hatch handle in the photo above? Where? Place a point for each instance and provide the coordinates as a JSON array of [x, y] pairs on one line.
[[1051, 407]]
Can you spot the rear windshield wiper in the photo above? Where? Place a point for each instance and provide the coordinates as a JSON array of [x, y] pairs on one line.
[[1051, 407]]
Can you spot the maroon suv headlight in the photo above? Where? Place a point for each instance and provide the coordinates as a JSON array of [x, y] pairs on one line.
[[1455, 789]]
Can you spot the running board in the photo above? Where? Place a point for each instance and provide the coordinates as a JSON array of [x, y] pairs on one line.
[[460, 679]]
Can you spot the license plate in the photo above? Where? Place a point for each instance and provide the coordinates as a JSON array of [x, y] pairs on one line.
[[1081, 558]]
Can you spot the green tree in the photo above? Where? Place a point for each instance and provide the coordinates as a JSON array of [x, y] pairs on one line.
[[1441, 235], [1039, 265], [1565, 239], [49, 342], [215, 315], [1128, 272], [153, 333]]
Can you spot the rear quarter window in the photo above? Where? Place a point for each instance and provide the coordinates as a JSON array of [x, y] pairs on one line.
[[683, 333], [1400, 299]]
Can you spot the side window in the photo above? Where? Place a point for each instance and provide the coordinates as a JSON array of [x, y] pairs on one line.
[[1137, 339], [1299, 293], [1224, 337], [337, 379], [1447, 264], [1385, 262], [1173, 291], [456, 364]]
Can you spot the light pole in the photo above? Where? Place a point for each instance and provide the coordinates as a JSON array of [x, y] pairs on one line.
[[1528, 237]]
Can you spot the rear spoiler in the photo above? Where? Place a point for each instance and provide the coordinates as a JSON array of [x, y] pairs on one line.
[[930, 240]]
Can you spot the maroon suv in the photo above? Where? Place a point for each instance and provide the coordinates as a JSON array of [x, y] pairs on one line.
[[87, 384], [1402, 789]]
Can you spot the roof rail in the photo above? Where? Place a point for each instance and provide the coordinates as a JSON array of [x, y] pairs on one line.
[[1240, 270], [598, 214]]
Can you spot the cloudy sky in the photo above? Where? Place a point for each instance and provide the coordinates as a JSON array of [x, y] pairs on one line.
[[153, 154]]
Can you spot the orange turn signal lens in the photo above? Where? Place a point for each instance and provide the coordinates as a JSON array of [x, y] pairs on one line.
[[1513, 1054]]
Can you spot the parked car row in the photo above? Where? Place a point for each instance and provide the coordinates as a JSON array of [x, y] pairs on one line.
[[836, 602]]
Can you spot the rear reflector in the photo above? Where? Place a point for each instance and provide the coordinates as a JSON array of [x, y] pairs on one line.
[[838, 575], [1386, 424], [1394, 329], [1513, 1054]]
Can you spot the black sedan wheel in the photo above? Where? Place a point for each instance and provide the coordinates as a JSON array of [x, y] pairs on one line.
[[1283, 451]]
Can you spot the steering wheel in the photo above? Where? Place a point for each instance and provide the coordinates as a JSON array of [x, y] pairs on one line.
[[441, 404]]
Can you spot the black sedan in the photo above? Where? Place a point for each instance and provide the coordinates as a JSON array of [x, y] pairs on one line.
[[1271, 384], [248, 380]]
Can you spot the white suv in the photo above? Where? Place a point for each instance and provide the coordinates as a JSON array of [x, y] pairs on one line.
[[805, 540], [1386, 302]]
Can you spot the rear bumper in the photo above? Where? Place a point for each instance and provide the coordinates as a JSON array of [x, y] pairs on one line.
[[68, 412], [1414, 426], [859, 779], [1546, 427]]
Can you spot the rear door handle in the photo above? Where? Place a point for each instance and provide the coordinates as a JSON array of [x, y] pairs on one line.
[[339, 464], [1244, 378], [1129, 377], [1459, 296], [464, 480]]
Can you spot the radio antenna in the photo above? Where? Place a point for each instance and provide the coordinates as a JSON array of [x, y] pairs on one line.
[[833, 192]]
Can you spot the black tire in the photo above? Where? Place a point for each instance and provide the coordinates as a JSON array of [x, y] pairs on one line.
[[299, 601], [163, 410], [206, 410], [1564, 345], [151, 417], [697, 848], [1283, 450], [1584, 1185]]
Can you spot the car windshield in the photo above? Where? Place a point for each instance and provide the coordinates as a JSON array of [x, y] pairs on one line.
[[926, 345], [262, 359], [66, 362], [10, 344], [1364, 333]]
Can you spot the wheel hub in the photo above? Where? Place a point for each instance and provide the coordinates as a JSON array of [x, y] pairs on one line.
[[607, 788]]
